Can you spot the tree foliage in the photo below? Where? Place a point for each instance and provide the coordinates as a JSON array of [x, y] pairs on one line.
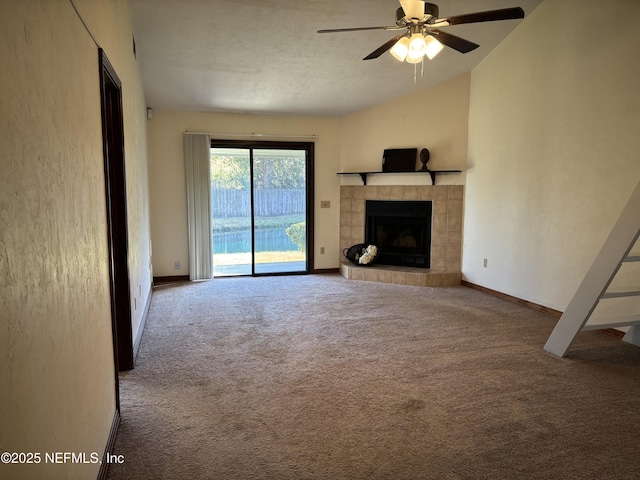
[[298, 235], [230, 172], [270, 170]]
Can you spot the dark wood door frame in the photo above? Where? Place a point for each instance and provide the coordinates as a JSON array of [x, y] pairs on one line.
[[116, 205]]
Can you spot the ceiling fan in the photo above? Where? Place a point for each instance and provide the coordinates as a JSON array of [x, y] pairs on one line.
[[421, 34]]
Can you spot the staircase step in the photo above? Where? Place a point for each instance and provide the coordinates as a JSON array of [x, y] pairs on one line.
[[613, 322], [632, 257], [617, 292]]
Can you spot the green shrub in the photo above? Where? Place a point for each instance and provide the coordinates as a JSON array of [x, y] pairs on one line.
[[297, 234]]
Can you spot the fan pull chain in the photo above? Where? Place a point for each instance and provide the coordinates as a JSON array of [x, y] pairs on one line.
[[415, 70]]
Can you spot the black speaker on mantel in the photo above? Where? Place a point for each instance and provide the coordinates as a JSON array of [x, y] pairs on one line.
[[399, 160]]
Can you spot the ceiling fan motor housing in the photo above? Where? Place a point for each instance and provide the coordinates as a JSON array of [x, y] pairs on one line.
[[429, 9]]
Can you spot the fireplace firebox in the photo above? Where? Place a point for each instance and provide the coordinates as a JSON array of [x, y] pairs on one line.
[[401, 230]]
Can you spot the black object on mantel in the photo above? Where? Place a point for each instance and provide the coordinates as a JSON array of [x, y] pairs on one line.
[[424, 159], [406, 156], [399, 160]]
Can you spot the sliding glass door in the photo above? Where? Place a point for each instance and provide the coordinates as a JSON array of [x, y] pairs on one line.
[[279, 210], [231, 219], [261, 207]]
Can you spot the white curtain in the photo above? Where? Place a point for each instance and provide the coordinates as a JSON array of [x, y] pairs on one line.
[[197, 172]]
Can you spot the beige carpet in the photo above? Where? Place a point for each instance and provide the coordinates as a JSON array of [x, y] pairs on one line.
[[318, 377]]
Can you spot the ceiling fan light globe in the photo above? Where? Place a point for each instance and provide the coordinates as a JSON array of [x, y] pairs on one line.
[[413, 59], [433, 47], [400, 49], [417, 46]]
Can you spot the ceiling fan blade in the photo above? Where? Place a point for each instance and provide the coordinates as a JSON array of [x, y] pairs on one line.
[[383, 48], [357, 29], [457, 43], [413, 8], [488, 16]]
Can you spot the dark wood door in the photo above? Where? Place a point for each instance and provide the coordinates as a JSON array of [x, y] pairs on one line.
[[116, 205]]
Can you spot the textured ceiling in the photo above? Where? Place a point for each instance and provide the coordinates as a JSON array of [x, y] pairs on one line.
[[264, 56]]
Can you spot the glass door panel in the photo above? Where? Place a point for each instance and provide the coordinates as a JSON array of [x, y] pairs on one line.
[[231, 211], [279, 197]]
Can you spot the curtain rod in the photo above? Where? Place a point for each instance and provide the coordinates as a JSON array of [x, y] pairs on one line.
[[251, 135]]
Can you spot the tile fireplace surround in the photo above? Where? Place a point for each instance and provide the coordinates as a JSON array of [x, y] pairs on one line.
[[446, 233]]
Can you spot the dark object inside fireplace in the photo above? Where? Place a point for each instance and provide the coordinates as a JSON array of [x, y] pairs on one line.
[[401, 230]]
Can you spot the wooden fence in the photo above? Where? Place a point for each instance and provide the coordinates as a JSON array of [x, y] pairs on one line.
[[267, 202]]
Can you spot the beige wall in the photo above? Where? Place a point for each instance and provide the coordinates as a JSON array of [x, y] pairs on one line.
[[434, 118], [167, 182], [56, 358], [553, 147]]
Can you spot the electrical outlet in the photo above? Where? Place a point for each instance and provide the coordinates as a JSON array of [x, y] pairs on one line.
[[484, 263], [325, 204], [321, 250], [176, 265]]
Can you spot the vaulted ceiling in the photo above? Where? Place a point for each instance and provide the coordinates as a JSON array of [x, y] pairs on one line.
[[266, 57]]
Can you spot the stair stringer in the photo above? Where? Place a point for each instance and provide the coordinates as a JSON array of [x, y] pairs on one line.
[[617, 246]]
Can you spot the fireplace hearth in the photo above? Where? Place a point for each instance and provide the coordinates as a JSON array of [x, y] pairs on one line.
[[401, 230]]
